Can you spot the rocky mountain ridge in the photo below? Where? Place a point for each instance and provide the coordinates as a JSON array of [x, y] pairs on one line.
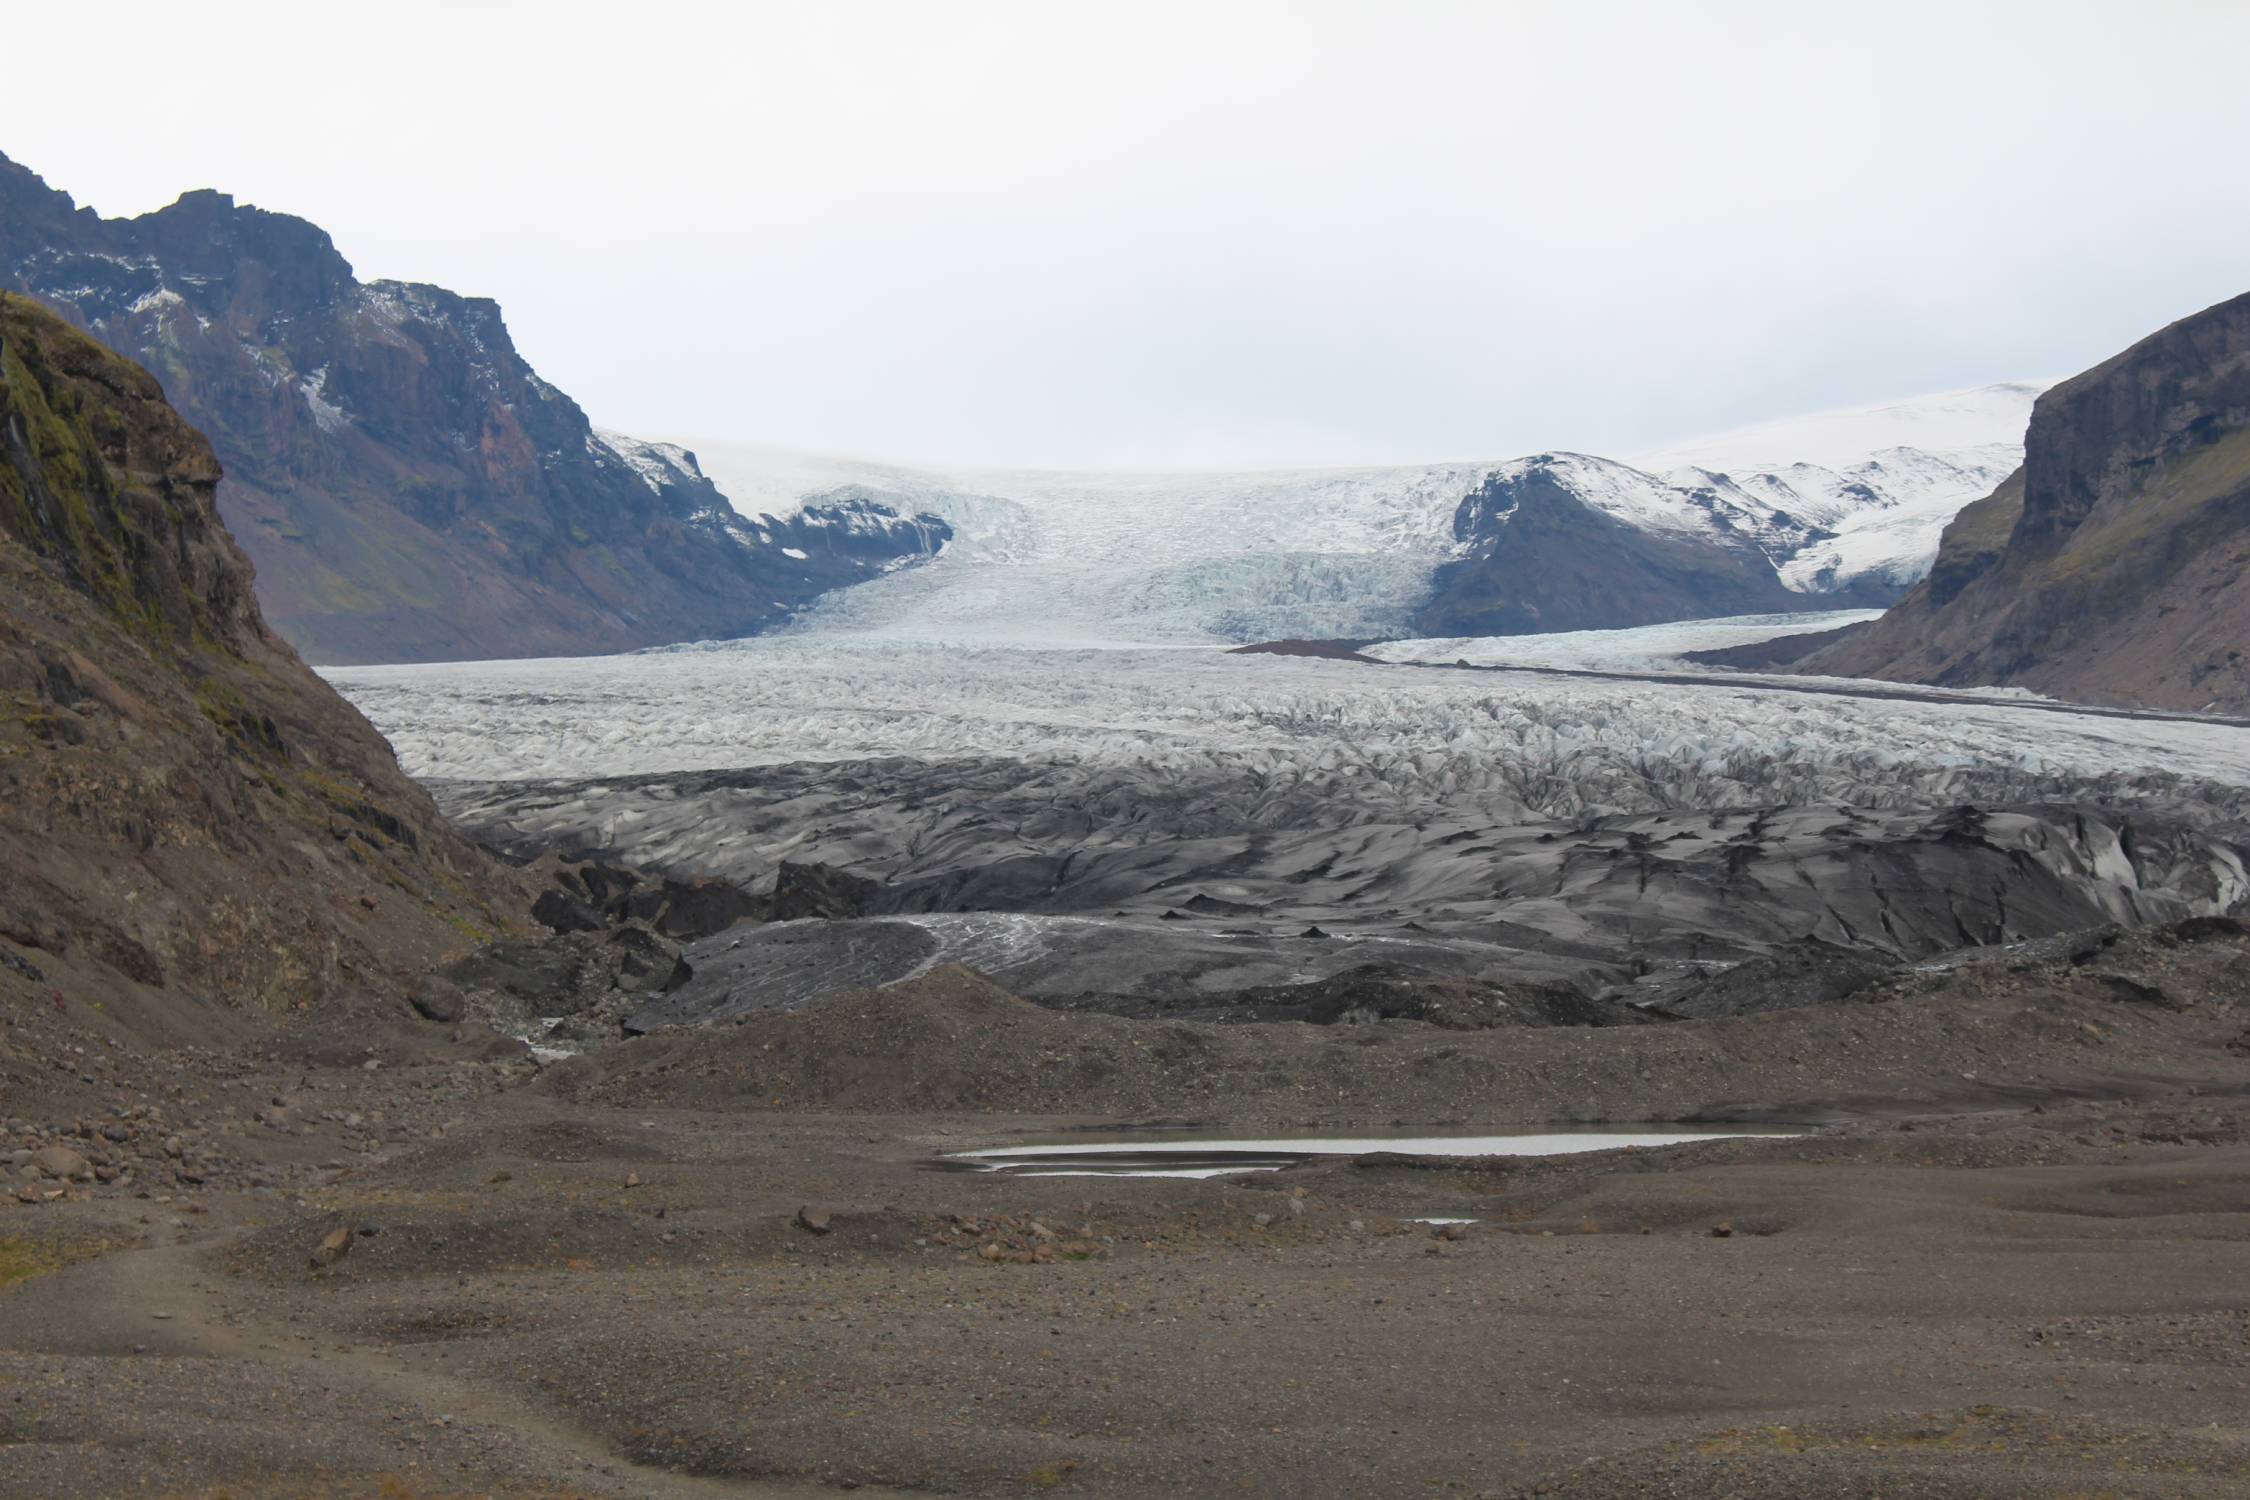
[[2110, 567], [1540, 550], [407, 485], [194, 829]]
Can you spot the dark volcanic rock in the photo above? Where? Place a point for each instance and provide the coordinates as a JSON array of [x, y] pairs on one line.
[[408, 487], [688, 911], [439, 999], [2111, 567], [1782, 651], [191, 822], [1539, 558], [1807, 973], [559, 911], [544, 973], [801, 890], [648, 962], [591, 979], [1380, 992], [595, 895]]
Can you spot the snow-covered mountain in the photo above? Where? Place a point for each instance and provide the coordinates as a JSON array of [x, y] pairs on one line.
[[1846, 505], [1882, 480]]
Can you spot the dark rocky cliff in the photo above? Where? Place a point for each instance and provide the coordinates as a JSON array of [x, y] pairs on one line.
[[407, 485], [2111, 568], [192, 825], [1540, 558]]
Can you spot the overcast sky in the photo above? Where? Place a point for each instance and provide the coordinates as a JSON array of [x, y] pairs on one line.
[[1213, 233]]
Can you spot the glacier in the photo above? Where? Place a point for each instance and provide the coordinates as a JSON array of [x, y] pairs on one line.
[[1171, 826], [1043, 556], [1033, 753], [1593, 744]]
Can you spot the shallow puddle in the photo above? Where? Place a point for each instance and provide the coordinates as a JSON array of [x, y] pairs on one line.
[[1213, 1156]]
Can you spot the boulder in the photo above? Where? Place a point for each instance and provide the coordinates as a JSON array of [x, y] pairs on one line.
[[439, 999], [559, 911], [819, 891], [62, 1163], [689, 911], [646, 961]]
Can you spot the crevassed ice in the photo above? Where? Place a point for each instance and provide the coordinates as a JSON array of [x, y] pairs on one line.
[[1122, 557], [1199, 711]]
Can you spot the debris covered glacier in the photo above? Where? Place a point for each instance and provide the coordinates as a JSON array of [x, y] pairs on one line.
[[1170, 830]]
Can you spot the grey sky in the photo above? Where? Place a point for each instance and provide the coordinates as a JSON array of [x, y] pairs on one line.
[[1213, 233]]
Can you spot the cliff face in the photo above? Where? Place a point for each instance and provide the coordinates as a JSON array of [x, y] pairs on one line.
[[407, 485], [191, 823], [2110, 569]]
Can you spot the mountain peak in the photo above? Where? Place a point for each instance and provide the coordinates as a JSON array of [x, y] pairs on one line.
[[408, 486], [1944, 422], [2110, 567]]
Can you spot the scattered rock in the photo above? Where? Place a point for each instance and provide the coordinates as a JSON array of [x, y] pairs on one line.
[[648, 962], [559, 911], [815, 1220], [439, 999], [816, 890], [63, 1163], [333, 1246]]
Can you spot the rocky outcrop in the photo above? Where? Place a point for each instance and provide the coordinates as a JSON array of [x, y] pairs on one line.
[[192, 825], [2110, 569], [407, 485], [1538, 554]]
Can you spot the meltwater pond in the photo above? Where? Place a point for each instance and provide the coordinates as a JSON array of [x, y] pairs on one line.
[[1215, 1156]]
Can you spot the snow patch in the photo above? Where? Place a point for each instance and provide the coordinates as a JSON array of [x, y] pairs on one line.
[[326, 415], [658, 464]]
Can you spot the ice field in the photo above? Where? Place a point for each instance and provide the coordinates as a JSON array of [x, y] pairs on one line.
[[1203, 711], [1120, 558]]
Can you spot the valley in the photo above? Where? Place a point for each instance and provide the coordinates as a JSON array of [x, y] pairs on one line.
[[620, 1141], [540, 961], [1211, 835]]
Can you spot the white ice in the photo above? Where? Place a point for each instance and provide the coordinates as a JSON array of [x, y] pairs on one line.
[[1644, 648], [1185, 713], [1045, 556]]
